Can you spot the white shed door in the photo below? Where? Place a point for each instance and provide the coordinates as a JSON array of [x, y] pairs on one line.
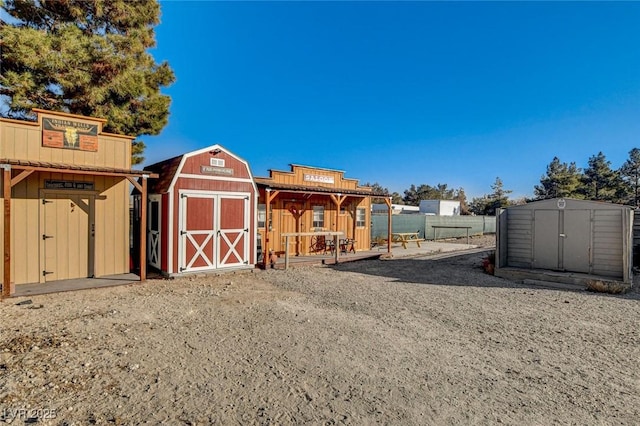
[[214, 231], [153, 231]]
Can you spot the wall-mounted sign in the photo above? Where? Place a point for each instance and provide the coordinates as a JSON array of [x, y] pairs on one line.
[[562, 203], [69, 134], [212, 170], [318, 178], [68, 184]]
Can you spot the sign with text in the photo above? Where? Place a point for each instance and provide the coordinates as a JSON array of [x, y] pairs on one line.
[[318, 178], [68, 184], [212, 170], [69, 134]]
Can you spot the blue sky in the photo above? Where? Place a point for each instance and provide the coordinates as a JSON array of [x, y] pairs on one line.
[[404, 93]]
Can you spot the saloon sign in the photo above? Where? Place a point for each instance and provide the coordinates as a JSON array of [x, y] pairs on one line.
[[318, 178], [69, 134]]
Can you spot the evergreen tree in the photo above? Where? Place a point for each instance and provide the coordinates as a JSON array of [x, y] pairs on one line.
[[500, 196], [88, 58], [488, 204], [462, 197], [480, 205], [380, 190], [562, 180], [630, 172], [414, 195], [600, 182]]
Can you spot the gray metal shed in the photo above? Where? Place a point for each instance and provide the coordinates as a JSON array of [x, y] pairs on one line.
[[565, 240]]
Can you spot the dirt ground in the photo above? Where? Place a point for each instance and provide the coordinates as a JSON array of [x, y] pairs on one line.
[[403, 341]]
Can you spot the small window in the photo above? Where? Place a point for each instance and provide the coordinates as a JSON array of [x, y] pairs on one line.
[[262, 215], [216, 162], [318, 216], [360, 218]]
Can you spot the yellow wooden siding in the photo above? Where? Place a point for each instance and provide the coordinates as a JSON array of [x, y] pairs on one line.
[[24, 142], [25, 231], [112, 227], [2, 225], [111, 246]]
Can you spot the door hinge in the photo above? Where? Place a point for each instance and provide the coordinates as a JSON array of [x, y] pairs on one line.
[[46, 201], [45, 273], [183, 232], [44, 237], [182, 269]]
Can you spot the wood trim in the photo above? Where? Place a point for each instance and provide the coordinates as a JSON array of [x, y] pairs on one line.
[[218, 178], [67, 114], [143, 230], [135, 183], [84, 172], [387, 201], [269, 197], [7, 287], [114, 135], [16, 121], [337, 200], [23, 175]]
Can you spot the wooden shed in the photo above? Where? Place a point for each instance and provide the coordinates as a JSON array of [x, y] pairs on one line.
[[201, 213], [310, 199], [66, 199], [565, 240]]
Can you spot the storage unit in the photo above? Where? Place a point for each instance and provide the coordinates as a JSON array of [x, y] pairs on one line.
[[66, 199], [580, 239], [310, 199], [201, 213], [440, 207]]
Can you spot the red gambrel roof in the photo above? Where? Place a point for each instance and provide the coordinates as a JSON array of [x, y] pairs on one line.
[[166, 169]]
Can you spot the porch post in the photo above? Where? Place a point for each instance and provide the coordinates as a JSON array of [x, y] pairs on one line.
[[7, 288], [388, 203], [143, 229], [269, 195], [267, 214]]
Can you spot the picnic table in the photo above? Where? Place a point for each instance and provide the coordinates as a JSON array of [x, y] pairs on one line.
[[406, 237]]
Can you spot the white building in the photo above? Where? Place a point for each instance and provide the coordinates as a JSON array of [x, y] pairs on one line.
[[395, 209], [440, 207]]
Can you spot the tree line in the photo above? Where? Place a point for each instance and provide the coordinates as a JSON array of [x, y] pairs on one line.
[[85, 57], [598, 181]]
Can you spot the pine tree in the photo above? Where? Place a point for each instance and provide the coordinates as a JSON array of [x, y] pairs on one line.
[[488, 204], [86, 57], [630, 172], [562, 180], [462, 197], [600, 182]]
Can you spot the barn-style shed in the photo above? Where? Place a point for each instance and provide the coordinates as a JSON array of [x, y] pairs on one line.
[[66, 199], [201, 213], [565, 240]]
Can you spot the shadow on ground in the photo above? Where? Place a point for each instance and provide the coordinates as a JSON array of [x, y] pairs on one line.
[[464, 269]]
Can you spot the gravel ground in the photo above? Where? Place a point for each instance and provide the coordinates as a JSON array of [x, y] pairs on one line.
[[402, 341]]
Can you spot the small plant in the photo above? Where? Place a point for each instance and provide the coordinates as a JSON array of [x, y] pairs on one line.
[[606, 287], [489, 262]]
